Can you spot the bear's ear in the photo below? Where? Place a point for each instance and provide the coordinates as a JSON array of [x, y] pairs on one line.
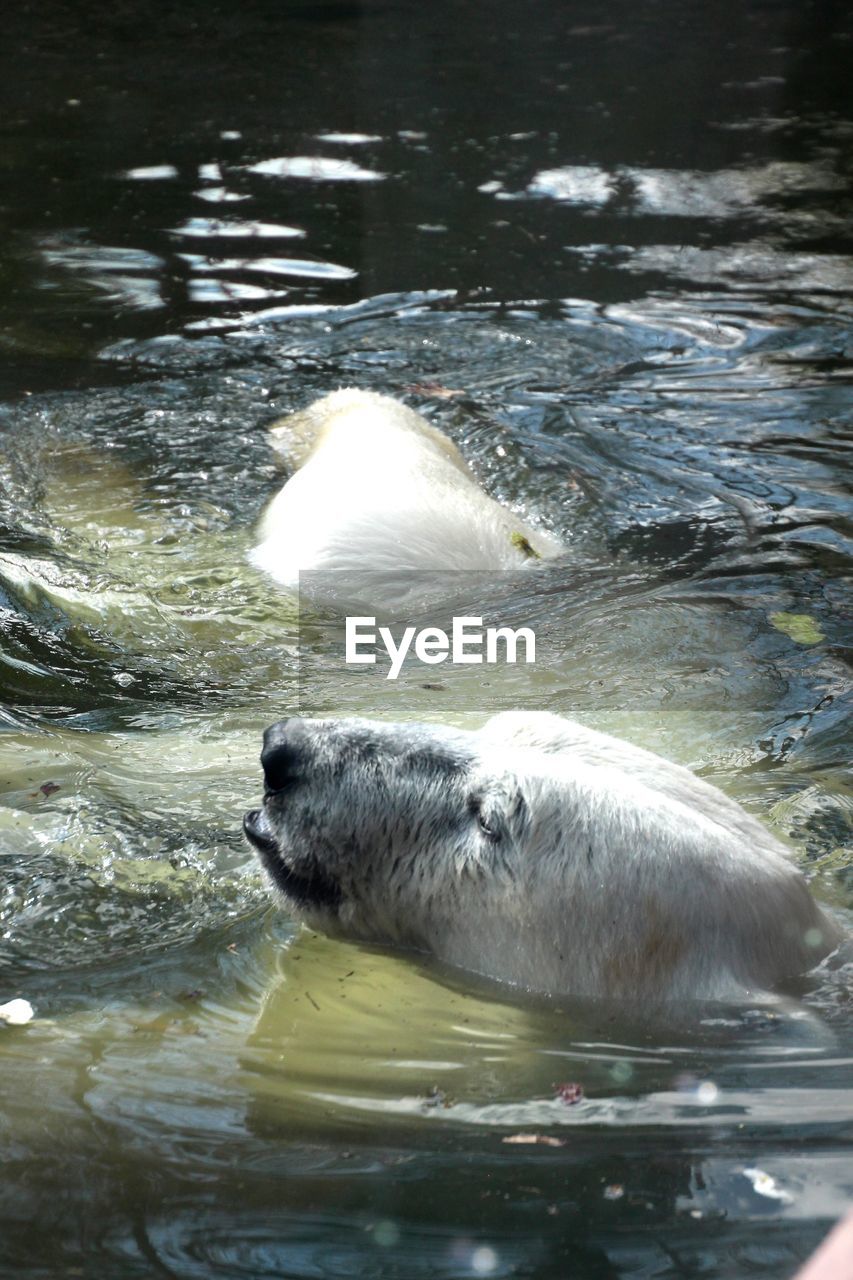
[[538, 729], [294, 437]]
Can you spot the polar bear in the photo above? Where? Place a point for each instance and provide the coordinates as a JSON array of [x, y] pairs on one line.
[[378, 490], [534, 851]]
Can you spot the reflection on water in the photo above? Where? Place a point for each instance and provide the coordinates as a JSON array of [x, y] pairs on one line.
[[609, 258]]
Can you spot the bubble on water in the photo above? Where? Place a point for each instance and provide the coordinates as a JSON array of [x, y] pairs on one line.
[[386, 1233], [484, 1261], [478, 1259], [621, 1071], [704, 1091], [813, 938]]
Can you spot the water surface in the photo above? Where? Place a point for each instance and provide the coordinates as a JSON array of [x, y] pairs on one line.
[[608, 255]]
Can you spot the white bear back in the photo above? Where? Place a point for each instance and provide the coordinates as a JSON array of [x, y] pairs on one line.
[[378, 489]]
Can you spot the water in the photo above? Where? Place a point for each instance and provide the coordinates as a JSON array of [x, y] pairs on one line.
[[607, 253]]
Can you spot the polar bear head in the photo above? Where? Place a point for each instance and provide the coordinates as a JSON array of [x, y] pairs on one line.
[[534, 851], [375, 830]]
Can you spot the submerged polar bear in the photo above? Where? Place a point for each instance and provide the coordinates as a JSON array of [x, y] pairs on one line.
[[534, 851], [377, 489]]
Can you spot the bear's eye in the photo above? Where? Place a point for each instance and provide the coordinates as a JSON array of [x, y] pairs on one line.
[[475, 807], [486, 829]]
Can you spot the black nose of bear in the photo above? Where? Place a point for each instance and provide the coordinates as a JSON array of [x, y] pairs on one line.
[[284, 754]]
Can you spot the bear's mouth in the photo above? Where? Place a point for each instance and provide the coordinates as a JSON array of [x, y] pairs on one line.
[[310, 886]]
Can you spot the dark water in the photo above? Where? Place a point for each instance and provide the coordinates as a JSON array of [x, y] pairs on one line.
[[608, 252]]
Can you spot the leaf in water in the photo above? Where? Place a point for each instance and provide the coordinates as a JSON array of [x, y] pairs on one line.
[[519, 541], [799, 626]]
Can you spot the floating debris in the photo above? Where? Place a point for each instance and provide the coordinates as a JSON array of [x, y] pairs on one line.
[[535, 1139], [521, 543], [437, 1098], [765, 1185], [16, 1013], [46, 789]]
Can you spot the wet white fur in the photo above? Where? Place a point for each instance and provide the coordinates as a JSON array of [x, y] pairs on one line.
[[378, 489], [620, 875]]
